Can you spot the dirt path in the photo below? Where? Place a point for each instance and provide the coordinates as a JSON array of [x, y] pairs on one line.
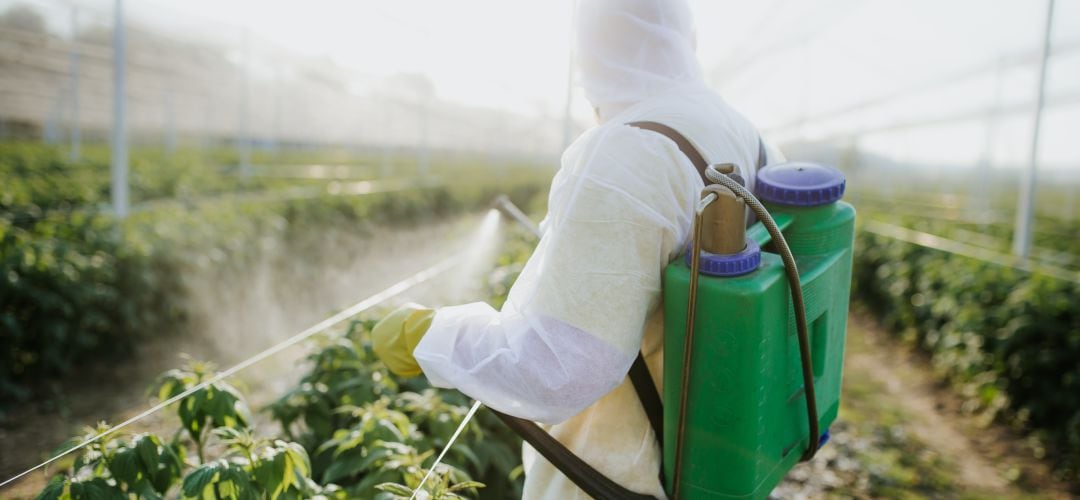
[[985, 460], [894, 369], [283, 295]]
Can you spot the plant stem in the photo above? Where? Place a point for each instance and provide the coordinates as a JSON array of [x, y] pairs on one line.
[[199, 445]]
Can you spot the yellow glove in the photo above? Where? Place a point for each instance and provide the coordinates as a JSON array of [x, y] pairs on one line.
[[395, 337]]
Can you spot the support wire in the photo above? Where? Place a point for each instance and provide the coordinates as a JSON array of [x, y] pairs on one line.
[[323, 325]]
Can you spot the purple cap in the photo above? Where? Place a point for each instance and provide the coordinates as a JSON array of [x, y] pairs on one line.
[[800, 184], [736, 264]]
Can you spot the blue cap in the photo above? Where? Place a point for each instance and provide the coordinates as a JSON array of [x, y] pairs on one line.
[[736, 264], [800, 184]]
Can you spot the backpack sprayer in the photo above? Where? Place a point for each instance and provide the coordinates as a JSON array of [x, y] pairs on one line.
[[755, 322], [754, 331]]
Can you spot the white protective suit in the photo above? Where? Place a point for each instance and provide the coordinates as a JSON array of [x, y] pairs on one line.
[[620, 210]]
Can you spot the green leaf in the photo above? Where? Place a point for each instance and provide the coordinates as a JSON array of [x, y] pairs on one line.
[[465, 485], [55, 489], [345, 466], [368, 482], [397, 489], [96, 489], [197, 481], [147, 448], [124, 466]]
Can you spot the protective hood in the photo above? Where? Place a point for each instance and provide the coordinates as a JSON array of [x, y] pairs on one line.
[[631, 50]]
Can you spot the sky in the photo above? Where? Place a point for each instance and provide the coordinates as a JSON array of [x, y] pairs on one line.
[[947, 81]]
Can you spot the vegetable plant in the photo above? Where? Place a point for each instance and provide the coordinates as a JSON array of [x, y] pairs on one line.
[[76, 284], [348, 429], [1009, 340]]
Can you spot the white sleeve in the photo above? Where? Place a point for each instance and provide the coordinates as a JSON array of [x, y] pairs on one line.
[[574, 319]]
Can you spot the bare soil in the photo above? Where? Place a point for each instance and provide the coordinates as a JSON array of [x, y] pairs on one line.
[[988, 457], [902, 433]]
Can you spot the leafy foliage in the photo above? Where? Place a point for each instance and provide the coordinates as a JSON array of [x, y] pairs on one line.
[[361, 431], [256, 468], [145, 467], [350, 430], [365, 440], [1009, 340], [440, 486], [215, 406], [76, 284]]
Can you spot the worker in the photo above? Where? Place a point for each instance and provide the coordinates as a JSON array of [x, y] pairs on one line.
[[620, 209]]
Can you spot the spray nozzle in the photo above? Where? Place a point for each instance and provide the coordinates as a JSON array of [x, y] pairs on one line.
[[498, 202], [503, 204]]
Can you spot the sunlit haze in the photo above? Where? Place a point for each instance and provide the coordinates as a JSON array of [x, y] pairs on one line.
[[913, 80]]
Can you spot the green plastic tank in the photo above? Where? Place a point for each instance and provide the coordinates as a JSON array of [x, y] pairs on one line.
[[746, 422]]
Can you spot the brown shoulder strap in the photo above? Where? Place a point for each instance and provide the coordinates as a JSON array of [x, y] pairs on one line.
[[641, 378], [689, 150], [681, 141], [590, 480]]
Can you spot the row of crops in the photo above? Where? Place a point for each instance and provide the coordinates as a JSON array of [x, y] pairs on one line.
[[1054, 240], [1008, 340], [77, 285], [347, 429]]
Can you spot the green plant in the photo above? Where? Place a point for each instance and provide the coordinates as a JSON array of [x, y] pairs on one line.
[[442, 485], [1008, 340], [362, 427], [245, 467], [256, 468], [340, 374], [350, 430], [218, 405], [371, 444], [145, 467], [77, 284]]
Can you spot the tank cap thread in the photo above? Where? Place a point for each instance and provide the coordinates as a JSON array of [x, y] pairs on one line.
[[736, 264]]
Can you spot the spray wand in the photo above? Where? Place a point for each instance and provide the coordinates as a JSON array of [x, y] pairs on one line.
[[503, 204], [465, 421]]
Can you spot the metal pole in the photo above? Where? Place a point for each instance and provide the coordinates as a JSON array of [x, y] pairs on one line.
[[384, 163], [76, 129], [245, 133], [1025, 211], [119, 129], [568, 122], [170, 123], [275, 137], [980, 204], [52, 122], [382, 104], [425, 146], [1070, 202], [207, 129]]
